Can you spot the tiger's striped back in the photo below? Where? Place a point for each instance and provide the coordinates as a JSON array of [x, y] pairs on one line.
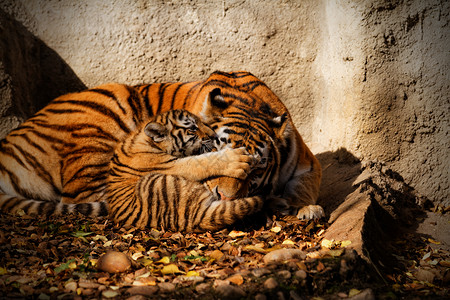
[[140, 196]]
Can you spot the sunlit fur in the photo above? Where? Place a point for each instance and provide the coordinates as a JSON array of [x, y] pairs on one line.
[[61, 154], [246, 113], [141, 193]]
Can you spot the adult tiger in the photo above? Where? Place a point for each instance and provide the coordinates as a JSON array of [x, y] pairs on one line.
[[58, 160], [245, 112]]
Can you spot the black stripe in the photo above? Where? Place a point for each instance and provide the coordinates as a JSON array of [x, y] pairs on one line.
[[95, 168], [29, 141], [65, 209], [143, 90], [106, 111], [38, 167], [174, 96], [189, 94], [10, 152], [103, 211], [232, 74], [64, 111], [135, 104], [111, 95], [239, 98], [89, 149], [285, 151], [176, 200], [161, 91], [51, 139], [84, 208], [78, 127]]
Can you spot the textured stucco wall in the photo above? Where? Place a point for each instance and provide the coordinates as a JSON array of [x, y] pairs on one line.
[[370, 76]]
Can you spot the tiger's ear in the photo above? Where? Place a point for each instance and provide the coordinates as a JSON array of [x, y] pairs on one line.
[[281, 125], [213, 103], [155, 131], [216, 99]]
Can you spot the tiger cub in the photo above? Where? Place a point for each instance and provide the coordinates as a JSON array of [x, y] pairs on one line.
[[155, 173]]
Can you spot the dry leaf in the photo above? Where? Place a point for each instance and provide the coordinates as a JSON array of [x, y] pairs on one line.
[[192, 273], [276, 229], [255, 248], [170, 269], [335, 253], [236, 279], [445, 263], [345, 243], [137, 255], [434, 241], [353, 292], [216, 254], [165, 260], [234, 234], [327, 243], [288, 242]]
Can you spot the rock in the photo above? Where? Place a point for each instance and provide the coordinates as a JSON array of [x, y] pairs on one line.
[[203, 288], [300, 274], [230, 292], [143, 290], [285, 274], [166, 287], [270, 283], [114, 262], [260, 297], [283, 254], [260, 272]]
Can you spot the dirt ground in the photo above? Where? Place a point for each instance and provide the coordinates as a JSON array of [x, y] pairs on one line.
[[370, 247]]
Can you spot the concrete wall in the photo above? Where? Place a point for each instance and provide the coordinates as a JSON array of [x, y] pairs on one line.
[[370, 76]]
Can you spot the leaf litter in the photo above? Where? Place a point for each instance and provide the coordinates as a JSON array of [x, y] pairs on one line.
[[58, 258]]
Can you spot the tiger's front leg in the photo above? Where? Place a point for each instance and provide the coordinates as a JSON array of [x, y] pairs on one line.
[[228, 162]]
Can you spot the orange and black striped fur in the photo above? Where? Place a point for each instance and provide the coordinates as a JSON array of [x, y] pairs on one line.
[[61, 155], [244, 112], [156, 173]]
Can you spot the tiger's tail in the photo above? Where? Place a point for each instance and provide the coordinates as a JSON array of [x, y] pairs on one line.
[[222, 213], [17, 205]]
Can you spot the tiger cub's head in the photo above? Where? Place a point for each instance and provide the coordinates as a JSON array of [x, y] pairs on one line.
[[180, 133]]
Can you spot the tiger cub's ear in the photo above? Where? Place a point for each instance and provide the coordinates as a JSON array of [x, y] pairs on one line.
[[155, 131]]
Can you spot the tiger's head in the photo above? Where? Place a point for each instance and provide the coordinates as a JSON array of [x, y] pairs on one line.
[[180, 133], [244, 112]]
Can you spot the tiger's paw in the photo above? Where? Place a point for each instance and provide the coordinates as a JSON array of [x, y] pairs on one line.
[[310, 212], [236, 163]]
